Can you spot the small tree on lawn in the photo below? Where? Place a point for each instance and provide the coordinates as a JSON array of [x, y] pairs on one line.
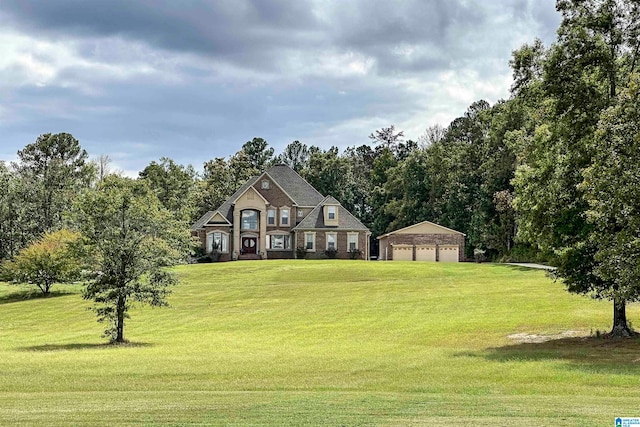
[[130, 239], [51, 259]]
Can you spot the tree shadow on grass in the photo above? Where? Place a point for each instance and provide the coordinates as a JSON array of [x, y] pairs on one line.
[[83, 346], [592, 354], [26, 295]]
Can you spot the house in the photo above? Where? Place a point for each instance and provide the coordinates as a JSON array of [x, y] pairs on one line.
[[280, 215], [425, 241]]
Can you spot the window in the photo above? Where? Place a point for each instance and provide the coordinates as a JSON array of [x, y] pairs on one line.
[[331, 212], [249, 220], [265, 185], [353, 241], [271, 217], [279, 241], [300, 213], [332, 241], [284, 216], [310, 241], [218, 241]]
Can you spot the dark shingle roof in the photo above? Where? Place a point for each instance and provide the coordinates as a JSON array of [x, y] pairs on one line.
[[301, 192], [315, 218]]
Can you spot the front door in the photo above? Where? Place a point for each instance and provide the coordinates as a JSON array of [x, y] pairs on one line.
[[249, 245]]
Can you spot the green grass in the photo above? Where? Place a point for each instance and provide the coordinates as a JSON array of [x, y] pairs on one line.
[[322, 343]]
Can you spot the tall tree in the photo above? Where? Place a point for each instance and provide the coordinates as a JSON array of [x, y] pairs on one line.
[[329, 173], [56, 169], [130, 239], [295, 155], [174, 185], [259, 153], [596, 48], [612, 189]]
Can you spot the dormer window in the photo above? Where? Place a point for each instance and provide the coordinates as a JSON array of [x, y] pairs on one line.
[[331, 212], [331, 215]]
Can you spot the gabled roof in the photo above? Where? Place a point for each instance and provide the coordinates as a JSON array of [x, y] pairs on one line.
[[423, 227], [206, 218], [249, 188], [315, 219], [299, 191]]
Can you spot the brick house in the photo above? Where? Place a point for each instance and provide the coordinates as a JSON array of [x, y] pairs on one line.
[[425, 241], [276, 212]]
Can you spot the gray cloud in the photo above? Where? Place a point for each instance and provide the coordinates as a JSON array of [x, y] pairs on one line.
[[194, 80]]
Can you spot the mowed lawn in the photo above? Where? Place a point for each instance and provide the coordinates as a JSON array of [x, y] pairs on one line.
[[323, 343]]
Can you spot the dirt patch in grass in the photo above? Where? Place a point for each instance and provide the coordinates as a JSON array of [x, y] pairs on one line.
[[540, 338]]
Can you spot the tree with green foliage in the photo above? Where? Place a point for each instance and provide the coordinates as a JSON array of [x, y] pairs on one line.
[[53, 258], [380, 197], [259, 154], [130, 239], [596, 51], [55, 169], [295, 155], [329, 173], [174, 185], [612, 189]]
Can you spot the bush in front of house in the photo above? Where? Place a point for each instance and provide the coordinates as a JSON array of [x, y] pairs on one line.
[[301, 252], [355, 253], [331, 253]]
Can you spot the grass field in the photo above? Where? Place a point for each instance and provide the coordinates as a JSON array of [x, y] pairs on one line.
[[323, 343]]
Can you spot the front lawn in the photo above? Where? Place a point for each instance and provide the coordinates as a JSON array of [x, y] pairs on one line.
[[323, 343]]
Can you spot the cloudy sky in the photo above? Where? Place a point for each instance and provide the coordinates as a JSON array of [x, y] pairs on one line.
[[195, 79]]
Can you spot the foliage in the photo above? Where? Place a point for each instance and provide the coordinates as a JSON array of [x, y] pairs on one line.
[[355, 253], [301, 252], [258, 153], [331, 253], [174, 185], [555, 186], [330, 173], [295, 155], [55, 170], [130, 239], [53, 258]]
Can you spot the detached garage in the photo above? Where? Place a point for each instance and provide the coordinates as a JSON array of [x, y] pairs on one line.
[[425, 241]]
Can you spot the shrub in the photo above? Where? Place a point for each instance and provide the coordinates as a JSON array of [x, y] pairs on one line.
[[355, 253], [331, 253], [301, 252]]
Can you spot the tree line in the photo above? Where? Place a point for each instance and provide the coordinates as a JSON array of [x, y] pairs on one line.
[[551, 173]]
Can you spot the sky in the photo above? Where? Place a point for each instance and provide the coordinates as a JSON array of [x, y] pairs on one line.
[[195, 79]]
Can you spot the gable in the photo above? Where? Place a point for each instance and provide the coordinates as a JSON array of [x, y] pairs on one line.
[[218, 218], [250, 198]]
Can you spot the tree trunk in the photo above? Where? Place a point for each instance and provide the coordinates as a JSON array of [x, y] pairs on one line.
[[120, 320], [620, 328]]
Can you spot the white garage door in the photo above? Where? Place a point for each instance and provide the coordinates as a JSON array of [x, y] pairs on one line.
[[403, 253], [448, 253], [425, 253]]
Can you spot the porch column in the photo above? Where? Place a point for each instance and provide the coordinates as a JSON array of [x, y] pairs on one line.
[[263, 232], [237, 225]]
